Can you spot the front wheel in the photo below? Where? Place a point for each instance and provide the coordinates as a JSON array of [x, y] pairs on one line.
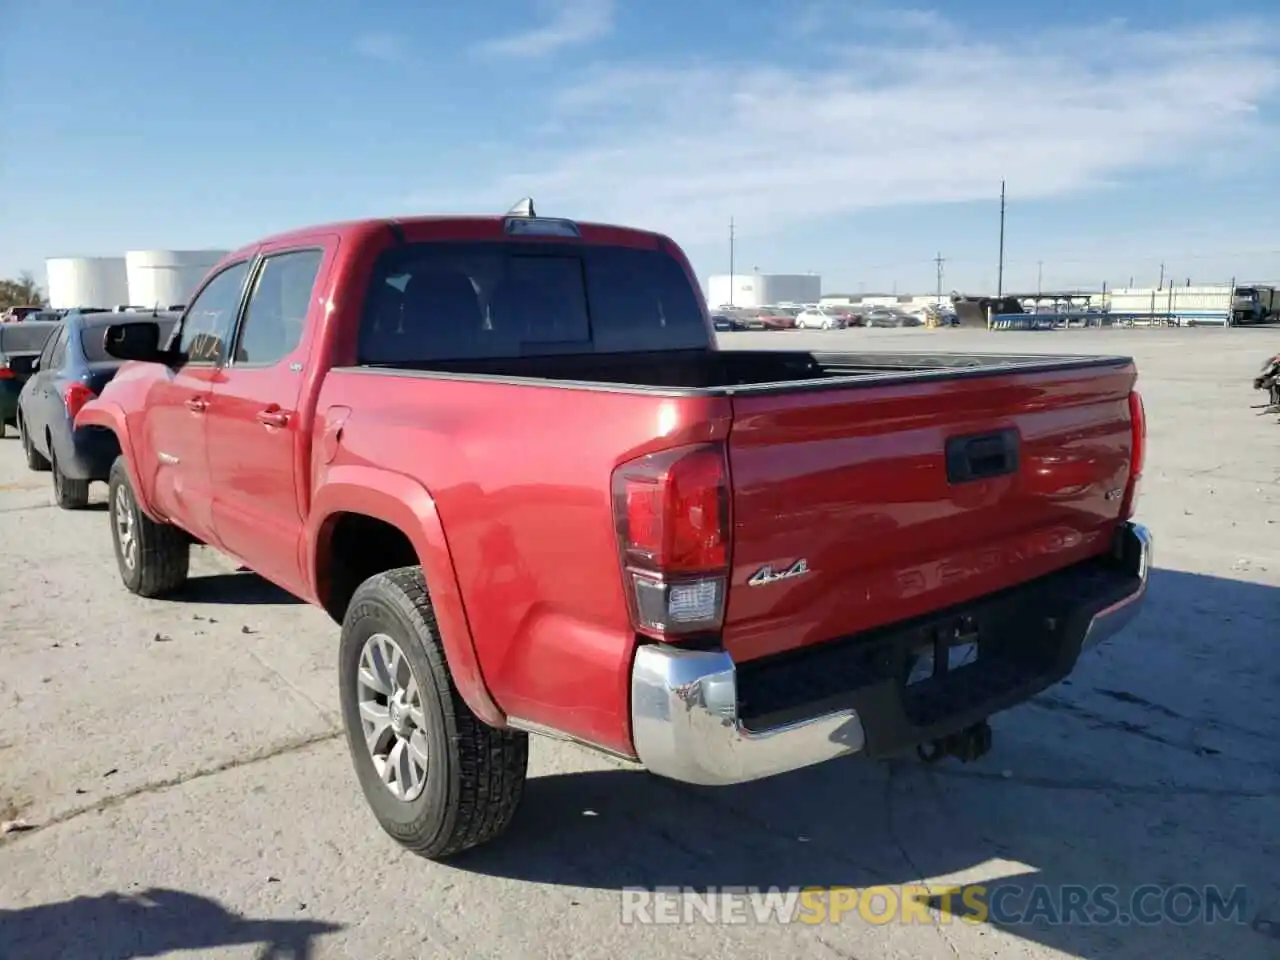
[[153, 558], [438, 779]]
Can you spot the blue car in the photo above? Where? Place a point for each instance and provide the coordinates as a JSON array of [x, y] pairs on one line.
[[71, 370]]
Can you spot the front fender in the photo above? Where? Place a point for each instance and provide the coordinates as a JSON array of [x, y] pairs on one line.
[[110, 416], [405, 504]]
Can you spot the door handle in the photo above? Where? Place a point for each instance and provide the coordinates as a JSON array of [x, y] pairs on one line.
[[273, 417], [196, 404]]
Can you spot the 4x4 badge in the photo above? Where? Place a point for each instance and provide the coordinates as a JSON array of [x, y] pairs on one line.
[[767, 575]]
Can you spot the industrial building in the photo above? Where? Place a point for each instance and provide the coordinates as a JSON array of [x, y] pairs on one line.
[[901, 301], [145, 278], [763, 289], [86, 282], [167, 277]]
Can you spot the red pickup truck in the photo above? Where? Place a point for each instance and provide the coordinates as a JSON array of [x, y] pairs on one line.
[[507, 456]]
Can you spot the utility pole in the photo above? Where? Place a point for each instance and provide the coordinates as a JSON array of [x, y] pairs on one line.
[[1039, 277], [1000, 271], [732, 283], [1160, 286], [939, 261]]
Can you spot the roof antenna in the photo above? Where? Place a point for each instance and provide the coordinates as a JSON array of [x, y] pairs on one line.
[[523, 208]]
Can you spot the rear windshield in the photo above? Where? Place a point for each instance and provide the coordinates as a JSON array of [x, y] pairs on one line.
[[458, 301], [27, 337], [93, 338]]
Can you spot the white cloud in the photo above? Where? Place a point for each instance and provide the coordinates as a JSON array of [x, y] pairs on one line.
[[893, 119], [568, 23], [845, 19], [379, 46]]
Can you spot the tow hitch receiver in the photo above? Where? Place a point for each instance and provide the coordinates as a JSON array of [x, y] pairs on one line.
[[971, 743]]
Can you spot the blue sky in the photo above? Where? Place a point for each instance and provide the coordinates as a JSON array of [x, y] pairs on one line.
[[855, 139]]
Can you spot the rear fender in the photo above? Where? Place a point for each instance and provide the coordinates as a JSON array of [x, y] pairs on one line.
[[402, 502], [110, 416]]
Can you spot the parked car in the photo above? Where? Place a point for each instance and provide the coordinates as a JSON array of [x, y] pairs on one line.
[[335, 410], [19, 314], [44, 315], [768, 319], [888, 317], [70, 370], [848, 317], [726, 322], [819, 318], [20, 344]]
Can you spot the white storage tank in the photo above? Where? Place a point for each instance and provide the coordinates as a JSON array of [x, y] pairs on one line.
[[86, 282], [763, 289], [167, 277]]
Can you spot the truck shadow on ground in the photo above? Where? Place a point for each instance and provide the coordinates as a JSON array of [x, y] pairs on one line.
[[233, 588], [1125, 785], [150, 923]]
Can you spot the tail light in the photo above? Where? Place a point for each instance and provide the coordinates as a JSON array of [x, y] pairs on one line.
[[5, 372], [1138, 456], [671, 513], [75, 395]]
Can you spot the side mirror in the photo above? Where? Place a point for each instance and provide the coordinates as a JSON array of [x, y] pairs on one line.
[[136, 340]]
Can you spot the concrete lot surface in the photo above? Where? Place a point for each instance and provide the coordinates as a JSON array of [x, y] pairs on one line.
[[181, 765]]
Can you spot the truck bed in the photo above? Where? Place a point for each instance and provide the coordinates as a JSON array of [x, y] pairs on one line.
[[905, 482], [745, 371]]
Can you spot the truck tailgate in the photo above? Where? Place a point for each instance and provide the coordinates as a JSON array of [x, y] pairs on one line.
[[857, 483]]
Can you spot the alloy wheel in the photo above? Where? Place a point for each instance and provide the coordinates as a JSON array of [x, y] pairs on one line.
[[126, 524], [389, 698]]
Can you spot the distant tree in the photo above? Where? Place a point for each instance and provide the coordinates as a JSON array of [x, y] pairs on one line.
[[21, 292]]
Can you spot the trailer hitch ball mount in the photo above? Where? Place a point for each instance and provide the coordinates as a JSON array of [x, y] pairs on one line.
[[970, 744]]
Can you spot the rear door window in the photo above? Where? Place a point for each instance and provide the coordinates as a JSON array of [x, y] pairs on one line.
[[457, 301], [57, 352], [51, 342]]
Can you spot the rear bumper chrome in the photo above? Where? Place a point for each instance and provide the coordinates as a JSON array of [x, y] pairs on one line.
[[1135, 547], [684, 703], [685, 723]]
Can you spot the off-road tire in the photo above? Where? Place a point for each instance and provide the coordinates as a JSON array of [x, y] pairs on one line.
[[67, 493], [475, 773], [36, 460], [163, 551]]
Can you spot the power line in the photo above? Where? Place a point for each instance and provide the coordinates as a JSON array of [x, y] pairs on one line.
[[1000, 271], [732, 283]]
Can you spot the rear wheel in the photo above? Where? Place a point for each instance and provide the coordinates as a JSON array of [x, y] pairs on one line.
[[69, 494], [438, 779], [35, 459], [153, 558]]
